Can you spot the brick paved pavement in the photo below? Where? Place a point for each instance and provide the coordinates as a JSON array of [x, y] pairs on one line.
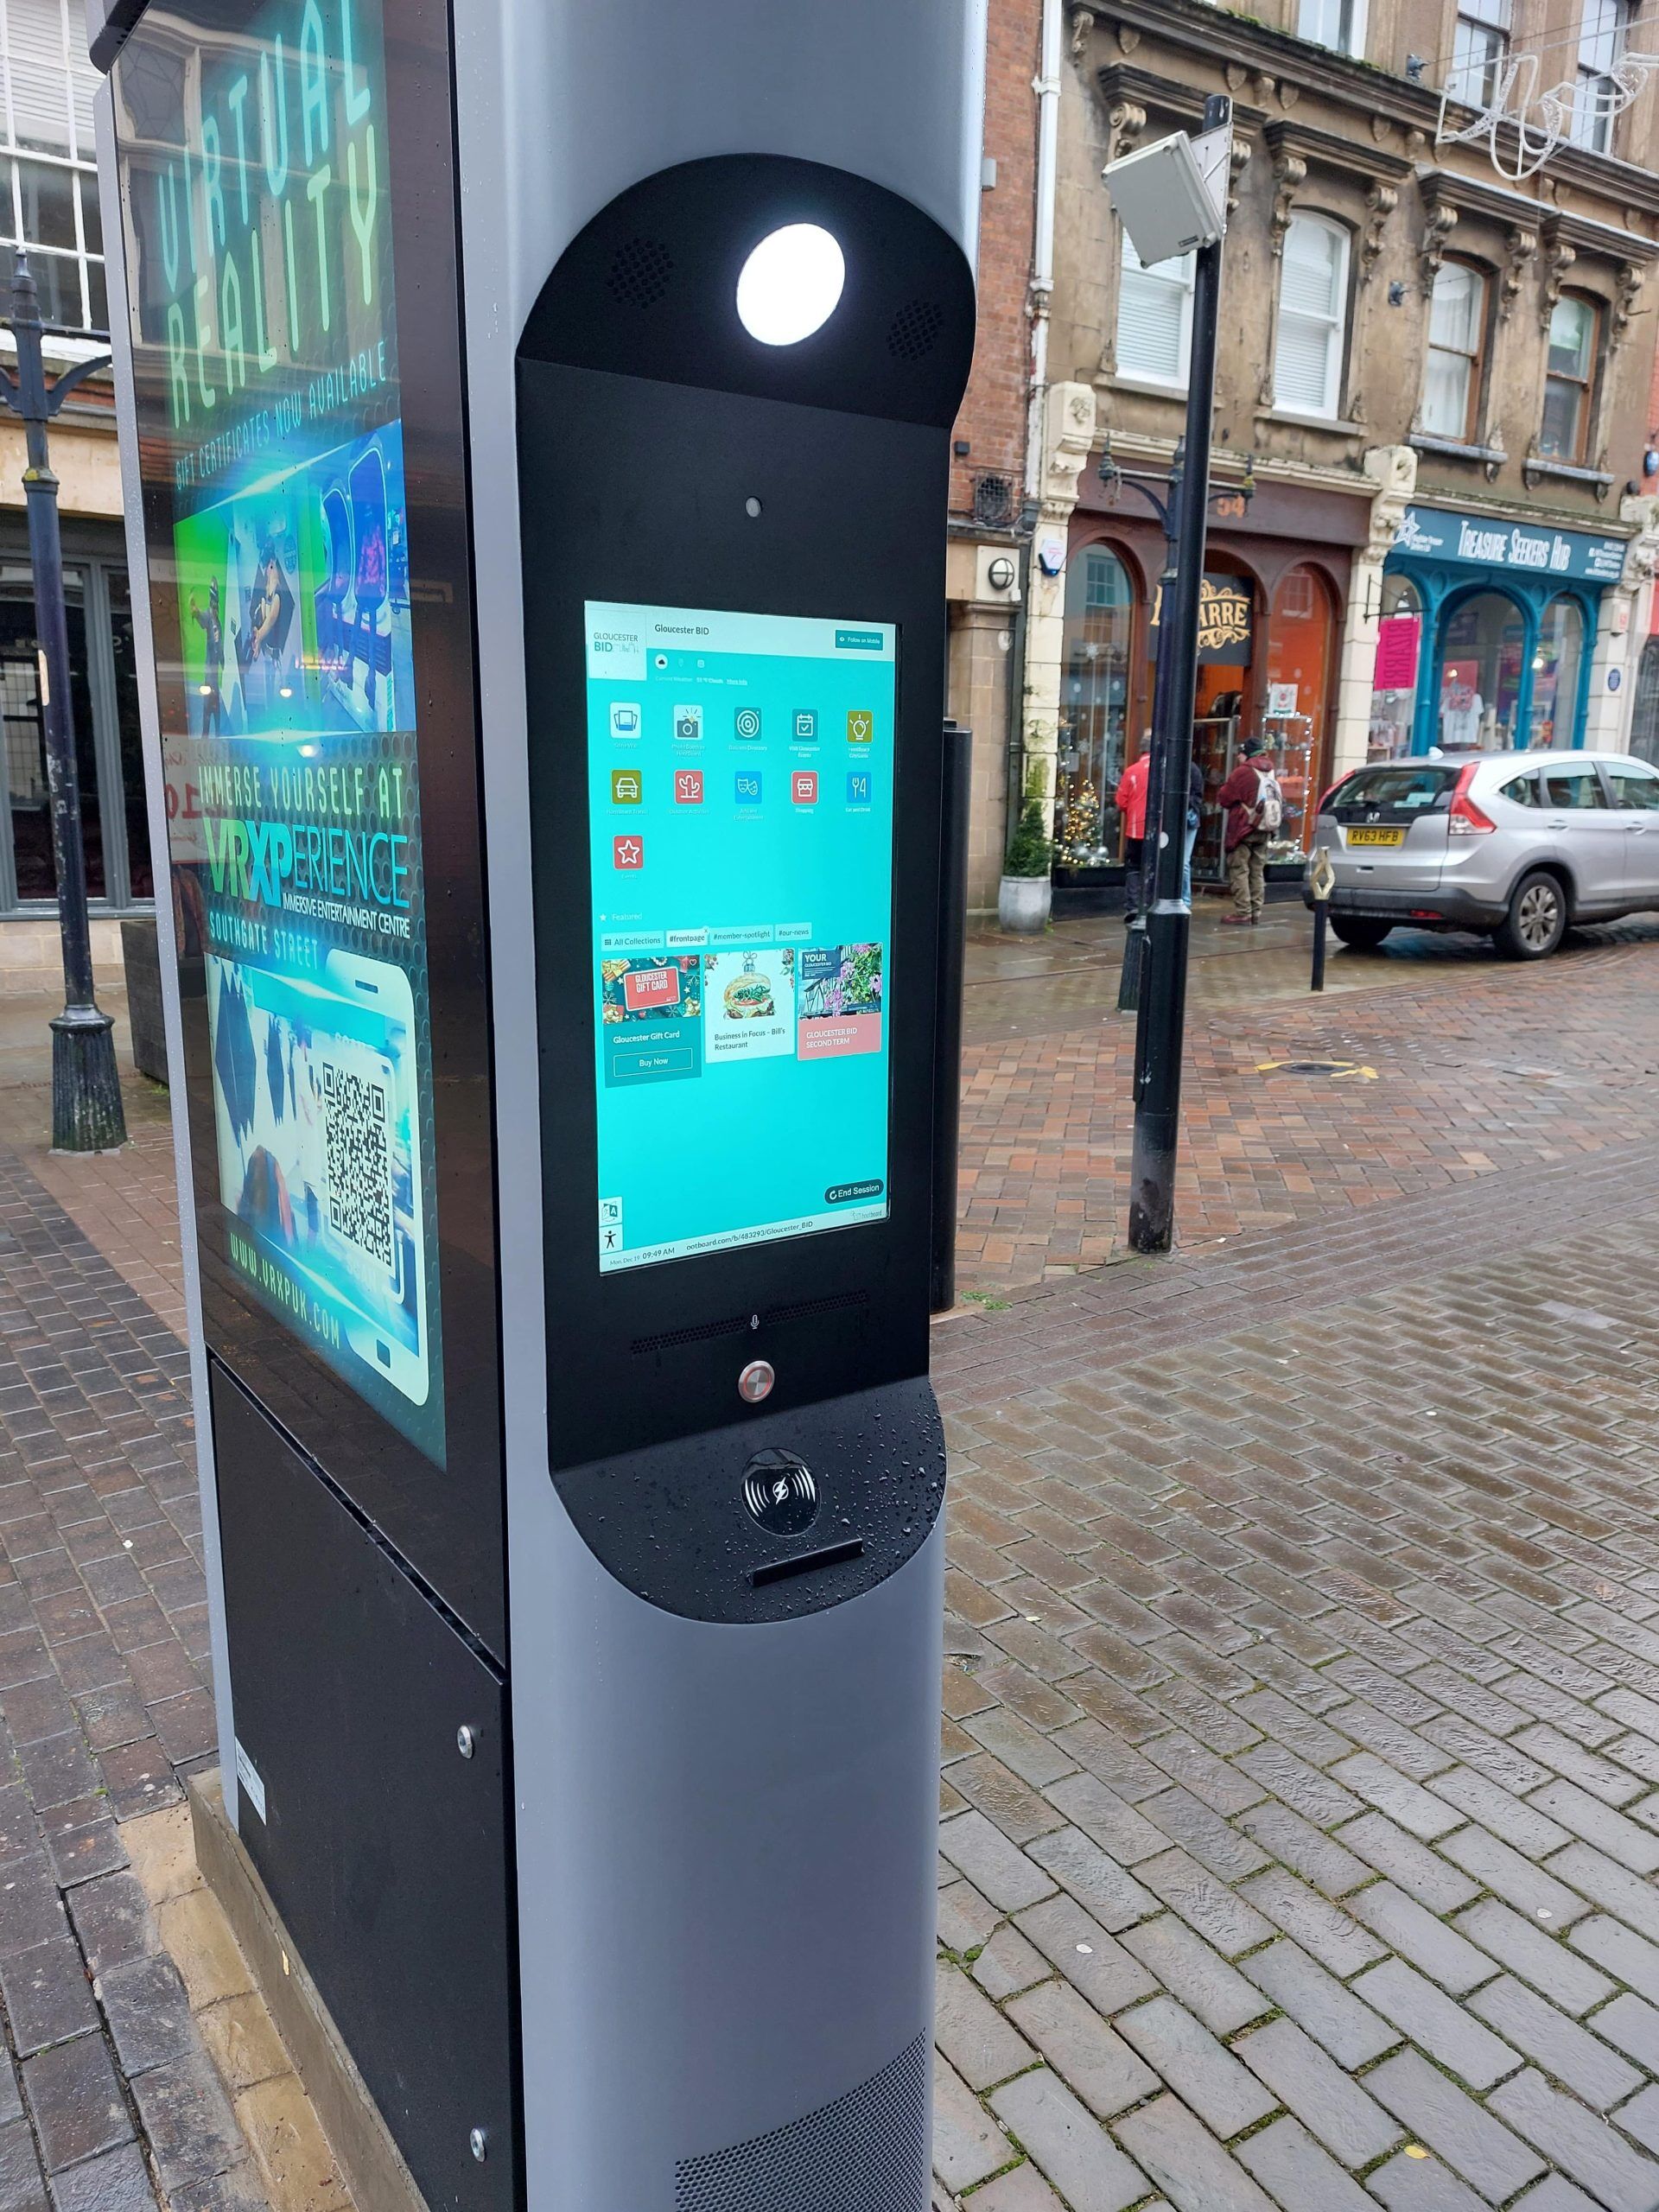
[[1302, 1727], [1479, 1067], [105, 2088], [1302, 1718]]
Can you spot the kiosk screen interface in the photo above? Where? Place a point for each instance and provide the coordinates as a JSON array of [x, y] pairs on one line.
[[741, 771], [258, 172]]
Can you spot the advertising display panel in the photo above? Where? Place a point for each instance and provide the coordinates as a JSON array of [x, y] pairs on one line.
[[740, 791], [262, 153]]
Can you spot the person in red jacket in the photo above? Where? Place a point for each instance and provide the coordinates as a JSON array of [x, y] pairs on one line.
[[1254, 806], [1132, 805]]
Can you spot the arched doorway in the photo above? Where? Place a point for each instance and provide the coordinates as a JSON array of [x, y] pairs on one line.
[[1095, 695], [1301, 659]]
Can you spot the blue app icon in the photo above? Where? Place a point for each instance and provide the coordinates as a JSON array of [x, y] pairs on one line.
[[748, 786], [858, 787], [804, 725]]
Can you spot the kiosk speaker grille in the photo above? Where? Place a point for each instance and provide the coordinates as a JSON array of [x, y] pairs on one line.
[[914, 330], [865, 2152], [640, 272]]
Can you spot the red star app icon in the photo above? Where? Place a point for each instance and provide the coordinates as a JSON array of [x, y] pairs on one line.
[[688, 787], [803, 787], [628, 852]]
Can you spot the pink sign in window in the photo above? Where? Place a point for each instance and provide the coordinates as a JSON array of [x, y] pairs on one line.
[[1398, 637]]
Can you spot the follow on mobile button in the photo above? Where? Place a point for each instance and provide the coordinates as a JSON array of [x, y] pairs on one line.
[[674, 1062]]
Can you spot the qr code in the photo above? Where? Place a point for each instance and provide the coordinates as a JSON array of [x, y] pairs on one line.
[[359, 1161]]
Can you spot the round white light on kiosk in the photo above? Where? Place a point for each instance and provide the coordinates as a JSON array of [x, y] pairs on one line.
[[790, 284]]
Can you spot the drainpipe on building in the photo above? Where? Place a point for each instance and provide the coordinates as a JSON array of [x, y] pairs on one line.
[[1046, 85]]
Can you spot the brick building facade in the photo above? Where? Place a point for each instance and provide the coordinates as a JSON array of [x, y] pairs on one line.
[[1434, 401]]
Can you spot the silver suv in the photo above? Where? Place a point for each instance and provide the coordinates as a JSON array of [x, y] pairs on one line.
[[1518, 845]]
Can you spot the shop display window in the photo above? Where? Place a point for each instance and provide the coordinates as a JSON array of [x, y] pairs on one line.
[[1556, 667], [1482, 651], [1301, 643], [1094, 707], [103, 696]]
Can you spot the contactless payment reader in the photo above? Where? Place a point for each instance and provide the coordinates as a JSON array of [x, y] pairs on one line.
[[538, 423]]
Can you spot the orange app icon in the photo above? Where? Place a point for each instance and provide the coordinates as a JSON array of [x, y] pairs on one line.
[[860, 726]]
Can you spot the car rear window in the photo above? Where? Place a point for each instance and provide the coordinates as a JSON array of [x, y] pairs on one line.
[[1423, 783]]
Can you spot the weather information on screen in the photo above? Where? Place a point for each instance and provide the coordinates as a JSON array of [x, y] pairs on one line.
[[741, 808]]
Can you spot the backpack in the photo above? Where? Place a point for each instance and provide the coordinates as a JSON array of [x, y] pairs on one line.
[[1269, 811]]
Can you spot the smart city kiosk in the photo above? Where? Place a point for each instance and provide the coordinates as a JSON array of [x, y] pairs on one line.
[[542, 421]]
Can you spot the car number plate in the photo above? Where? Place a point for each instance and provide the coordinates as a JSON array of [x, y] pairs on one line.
[[1377, 836]]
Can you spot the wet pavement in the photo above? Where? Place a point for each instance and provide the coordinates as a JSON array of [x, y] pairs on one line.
[[1301, 1717]]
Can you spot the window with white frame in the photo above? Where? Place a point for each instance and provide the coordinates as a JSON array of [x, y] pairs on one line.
[[1312, 317], [1480, 47], [1154, 318], [1339, 23], [1570, 378], [1457, 341], [1603, 32], [50, 199]]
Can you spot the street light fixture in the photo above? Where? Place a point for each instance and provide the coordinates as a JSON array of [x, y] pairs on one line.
[[86, 1110], [1157, 205]]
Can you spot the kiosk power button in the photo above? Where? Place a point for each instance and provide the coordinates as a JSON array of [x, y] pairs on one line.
[[756, 1381], [780, 1491]]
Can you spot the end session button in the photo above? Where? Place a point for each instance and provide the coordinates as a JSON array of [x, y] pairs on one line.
[[842, 1194]]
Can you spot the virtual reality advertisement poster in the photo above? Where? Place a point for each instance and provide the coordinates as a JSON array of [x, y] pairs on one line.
[[263, 242]]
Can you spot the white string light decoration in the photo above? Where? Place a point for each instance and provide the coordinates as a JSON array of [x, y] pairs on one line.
[[1540, 120]]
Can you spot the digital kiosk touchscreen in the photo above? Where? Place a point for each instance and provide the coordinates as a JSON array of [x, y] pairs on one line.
[[740, 773]]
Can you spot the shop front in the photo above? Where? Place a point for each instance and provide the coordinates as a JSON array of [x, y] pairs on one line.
[[1487, 635], [1270, 626]]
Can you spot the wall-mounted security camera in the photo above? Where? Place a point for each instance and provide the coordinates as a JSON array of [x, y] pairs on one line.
[[1164, 200]]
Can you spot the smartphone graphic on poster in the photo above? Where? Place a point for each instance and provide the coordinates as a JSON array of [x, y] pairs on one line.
[[315, 1110]]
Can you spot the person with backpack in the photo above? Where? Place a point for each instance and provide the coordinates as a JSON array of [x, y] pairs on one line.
[[1255, 808]]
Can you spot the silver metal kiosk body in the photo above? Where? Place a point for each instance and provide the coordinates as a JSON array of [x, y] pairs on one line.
[[542, 415]]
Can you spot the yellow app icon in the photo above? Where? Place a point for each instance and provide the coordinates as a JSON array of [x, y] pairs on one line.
[[625, 787], [860, 726]]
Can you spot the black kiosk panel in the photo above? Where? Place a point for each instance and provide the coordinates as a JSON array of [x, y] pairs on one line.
[[288, 185], [735, 790]]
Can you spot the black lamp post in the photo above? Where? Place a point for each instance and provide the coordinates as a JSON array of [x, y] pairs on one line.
[[1160, 1025], [87, 1110]]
